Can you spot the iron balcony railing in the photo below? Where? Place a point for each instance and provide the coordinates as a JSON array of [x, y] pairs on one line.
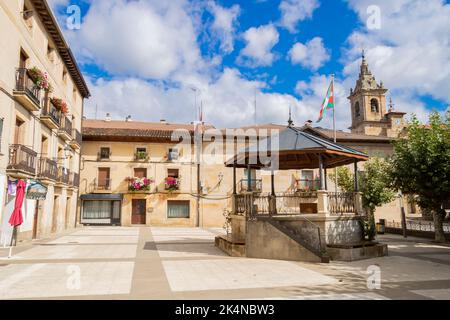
[[102, 184], [25, 84], [77, 137], [63, 175], [51, 111], [255, 184], [141, 156], [75, 179], [48, 169], [22, 158], [66, 125]]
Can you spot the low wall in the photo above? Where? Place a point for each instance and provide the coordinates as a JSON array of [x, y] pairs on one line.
[[264, 241]]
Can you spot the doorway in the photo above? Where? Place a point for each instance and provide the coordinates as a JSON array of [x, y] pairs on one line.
[[104, 182], [138, 211]]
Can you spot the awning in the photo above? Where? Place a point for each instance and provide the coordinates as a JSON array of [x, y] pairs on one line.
[[105, 197]]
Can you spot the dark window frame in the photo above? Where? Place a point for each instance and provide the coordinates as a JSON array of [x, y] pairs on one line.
[[187, 203]]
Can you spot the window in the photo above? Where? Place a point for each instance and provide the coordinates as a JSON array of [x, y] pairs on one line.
[[101, 209], [104, 181], [50, 53], [105, 153], [357, 110], [173, 173], [173, 154], [374, 105], [64, 75], [74, 95], [141, 154], [27, 15], [140, 172], [178, 209]]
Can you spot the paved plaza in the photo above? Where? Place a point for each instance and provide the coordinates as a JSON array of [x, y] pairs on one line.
[[181, 263]]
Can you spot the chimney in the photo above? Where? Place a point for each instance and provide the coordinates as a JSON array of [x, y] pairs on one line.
[[108, 117], [308, 123], [163, 121], [128, 119]]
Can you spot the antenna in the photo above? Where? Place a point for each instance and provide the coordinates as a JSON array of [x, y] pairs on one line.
[[256, 120]]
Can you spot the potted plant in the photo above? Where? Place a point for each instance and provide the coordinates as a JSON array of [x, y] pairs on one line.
[[141, 155], [139, 184], [60, 105], [40, 79], [172, 184]]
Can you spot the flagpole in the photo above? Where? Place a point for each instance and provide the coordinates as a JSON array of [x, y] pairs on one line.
[[334, 132]]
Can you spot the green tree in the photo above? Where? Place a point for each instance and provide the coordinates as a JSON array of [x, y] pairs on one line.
[[421, 166], [376, 190], [345, 179]]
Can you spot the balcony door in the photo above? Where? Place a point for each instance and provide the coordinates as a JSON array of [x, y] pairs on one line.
[[138, 211], [19, 132], [104, 178], [140, 173]]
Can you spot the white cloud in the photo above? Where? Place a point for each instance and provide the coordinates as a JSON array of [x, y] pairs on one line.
[[259, 44], [294, 11], [410, 53], [148, 39], [228, 101], [224, 25], [311, 55]]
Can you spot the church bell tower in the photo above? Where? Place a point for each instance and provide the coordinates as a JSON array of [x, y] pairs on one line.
[[368, 103]]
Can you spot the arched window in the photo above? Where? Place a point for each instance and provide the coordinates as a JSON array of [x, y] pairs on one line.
[[374, 105], [357, 109]]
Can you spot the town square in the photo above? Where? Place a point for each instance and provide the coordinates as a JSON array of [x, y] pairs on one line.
[[203, 150]]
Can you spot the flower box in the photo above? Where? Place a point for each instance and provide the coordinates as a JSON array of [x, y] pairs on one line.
[[40, 79], [172, 184], [60, 105], [139, 184]]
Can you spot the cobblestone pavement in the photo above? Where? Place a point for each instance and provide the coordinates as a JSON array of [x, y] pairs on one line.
[[181, 263]]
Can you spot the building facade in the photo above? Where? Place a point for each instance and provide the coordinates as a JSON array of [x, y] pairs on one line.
[[117, 154], [41, 97]]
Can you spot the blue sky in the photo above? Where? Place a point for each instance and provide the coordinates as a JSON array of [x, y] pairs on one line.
[[144, 57]]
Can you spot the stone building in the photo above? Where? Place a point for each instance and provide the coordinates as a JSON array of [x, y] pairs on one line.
[[41, 98], [116, 153]]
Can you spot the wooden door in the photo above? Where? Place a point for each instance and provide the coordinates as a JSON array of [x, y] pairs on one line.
[[140, 173], [138, 211], [103, 178]]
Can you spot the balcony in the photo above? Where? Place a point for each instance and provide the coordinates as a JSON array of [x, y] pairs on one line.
[[141, 156], [22, 160], [74, 180], [139, 184], [48, 169], [255, 184], [63, 175], [65, 131], [26, 91], [101, 185], [75, 143], [172, 184], [306, 185], [50, 115]]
